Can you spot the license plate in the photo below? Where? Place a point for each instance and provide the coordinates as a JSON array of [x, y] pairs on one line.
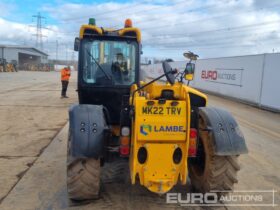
[[161, 110]]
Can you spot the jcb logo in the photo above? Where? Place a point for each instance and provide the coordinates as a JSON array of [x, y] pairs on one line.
[[145, 129]]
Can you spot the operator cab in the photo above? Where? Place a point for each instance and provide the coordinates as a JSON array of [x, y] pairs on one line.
[[108, 66], [109, 62]]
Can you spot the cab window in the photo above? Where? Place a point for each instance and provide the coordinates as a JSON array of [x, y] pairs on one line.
[[109, 62]]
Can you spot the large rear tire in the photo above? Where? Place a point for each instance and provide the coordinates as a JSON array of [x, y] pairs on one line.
[[83, 177], [209, 172]]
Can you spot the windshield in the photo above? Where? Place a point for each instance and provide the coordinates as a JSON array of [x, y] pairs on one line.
[[108, 62]]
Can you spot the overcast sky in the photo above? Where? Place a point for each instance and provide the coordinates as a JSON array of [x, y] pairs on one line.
[[210, 28]]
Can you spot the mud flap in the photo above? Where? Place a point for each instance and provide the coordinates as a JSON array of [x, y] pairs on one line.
[[226, 134], [88, 130]]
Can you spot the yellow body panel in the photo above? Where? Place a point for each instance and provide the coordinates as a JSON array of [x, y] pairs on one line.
[[160, 131], [121, 32], [161, 122], [159, 173], [91, 27]]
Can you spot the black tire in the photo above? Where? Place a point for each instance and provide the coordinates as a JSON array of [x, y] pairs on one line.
[[209, 172], [83, 177]]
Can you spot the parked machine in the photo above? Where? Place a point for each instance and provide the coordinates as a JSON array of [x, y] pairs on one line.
[[165, 131], [3, 65], [8, 67]]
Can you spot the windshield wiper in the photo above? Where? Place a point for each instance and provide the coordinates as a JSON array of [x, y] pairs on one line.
[[97, 63]]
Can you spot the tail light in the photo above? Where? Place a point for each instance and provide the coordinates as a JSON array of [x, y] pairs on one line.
[[125, 131], [192, 143], [124, 142], [124, 150]]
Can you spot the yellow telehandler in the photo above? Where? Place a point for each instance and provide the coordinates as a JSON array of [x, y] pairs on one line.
[[165, 131]]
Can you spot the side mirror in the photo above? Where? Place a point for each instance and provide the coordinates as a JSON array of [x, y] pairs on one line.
[[169, 72], [76, 44], [189, 71]]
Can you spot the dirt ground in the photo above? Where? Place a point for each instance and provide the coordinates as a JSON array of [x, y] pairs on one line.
[[31, 114], [33, 134]]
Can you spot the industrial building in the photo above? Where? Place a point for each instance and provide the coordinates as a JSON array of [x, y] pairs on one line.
[[22, 55]]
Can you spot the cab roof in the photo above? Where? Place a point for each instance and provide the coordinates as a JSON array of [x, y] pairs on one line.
[[88, 30]]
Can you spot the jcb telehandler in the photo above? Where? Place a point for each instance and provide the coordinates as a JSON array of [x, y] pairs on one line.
[[166, 131]]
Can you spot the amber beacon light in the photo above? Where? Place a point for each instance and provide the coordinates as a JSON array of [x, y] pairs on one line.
[[128, 23]]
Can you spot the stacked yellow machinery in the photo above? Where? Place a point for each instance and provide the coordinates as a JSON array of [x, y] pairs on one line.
[[7, 67], [37, 67]]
